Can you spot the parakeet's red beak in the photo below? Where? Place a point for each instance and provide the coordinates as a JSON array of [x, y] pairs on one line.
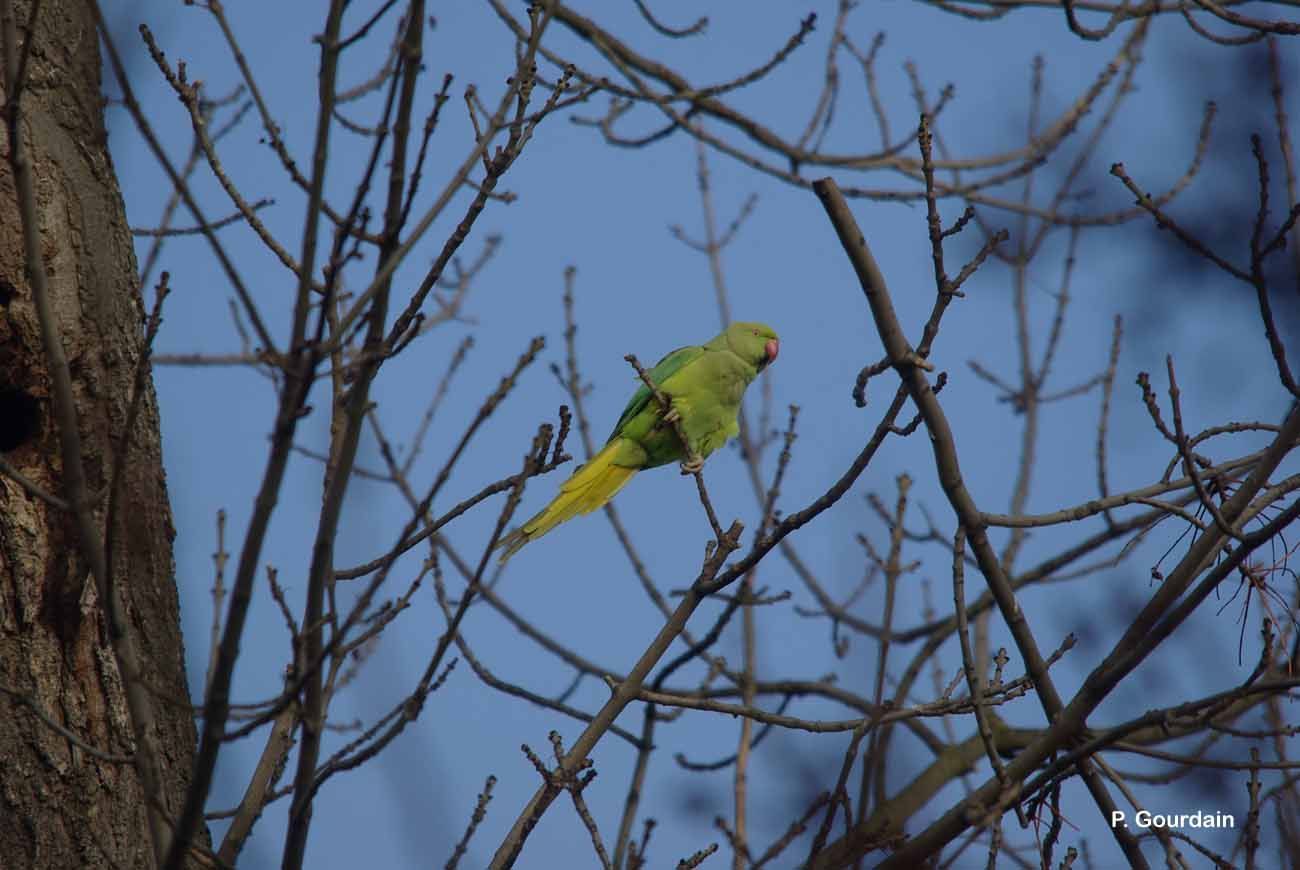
[[771, 349]]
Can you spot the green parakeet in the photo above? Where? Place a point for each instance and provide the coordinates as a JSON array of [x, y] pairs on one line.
[[705, 383]]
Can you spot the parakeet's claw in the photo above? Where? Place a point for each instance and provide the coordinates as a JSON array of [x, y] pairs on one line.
[[692, 466], [672, 416]]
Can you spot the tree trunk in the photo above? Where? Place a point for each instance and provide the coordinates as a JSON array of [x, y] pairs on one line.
[[60, 804]]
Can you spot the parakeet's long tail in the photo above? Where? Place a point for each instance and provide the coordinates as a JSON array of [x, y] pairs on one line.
[[589, 488]]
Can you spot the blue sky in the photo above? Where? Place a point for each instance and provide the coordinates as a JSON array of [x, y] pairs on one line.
[[639, 290]]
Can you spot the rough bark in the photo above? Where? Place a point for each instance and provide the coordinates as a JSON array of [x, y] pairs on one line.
[[61, 806]]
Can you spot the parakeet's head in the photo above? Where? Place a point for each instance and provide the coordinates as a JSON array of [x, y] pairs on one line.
[[755, 343]]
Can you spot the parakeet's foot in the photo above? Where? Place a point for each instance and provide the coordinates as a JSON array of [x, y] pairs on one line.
[[692, 466], [672, 416]]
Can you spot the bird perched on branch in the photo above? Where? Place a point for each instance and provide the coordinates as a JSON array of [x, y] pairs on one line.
[[704, 384]]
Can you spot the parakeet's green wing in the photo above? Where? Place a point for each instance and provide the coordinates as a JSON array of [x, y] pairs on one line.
[[663, 370]]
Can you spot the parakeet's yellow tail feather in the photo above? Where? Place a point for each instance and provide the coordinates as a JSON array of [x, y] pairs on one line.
[[589, 488]]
